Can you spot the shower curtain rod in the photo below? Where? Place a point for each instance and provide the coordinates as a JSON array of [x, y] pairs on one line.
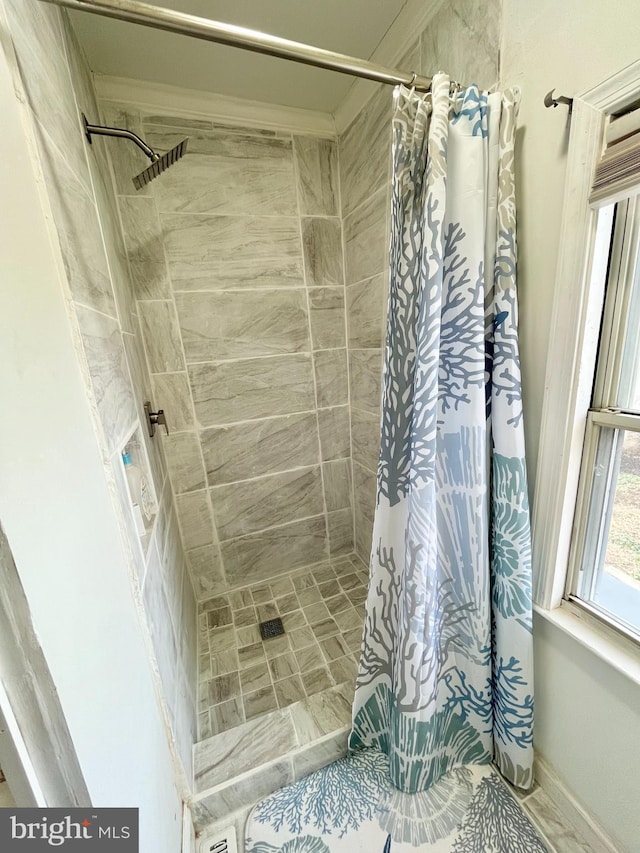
[[203, 28]]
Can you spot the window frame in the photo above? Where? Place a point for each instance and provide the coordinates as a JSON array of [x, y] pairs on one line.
[[571, 362]]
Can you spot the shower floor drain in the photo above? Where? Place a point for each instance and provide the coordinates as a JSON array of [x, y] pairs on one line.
[[271, 628]]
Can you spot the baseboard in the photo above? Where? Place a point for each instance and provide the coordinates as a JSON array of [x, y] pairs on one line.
[[573, 810]]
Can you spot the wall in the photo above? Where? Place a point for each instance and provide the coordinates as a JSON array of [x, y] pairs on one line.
[[461, 38], [57, 88], [57, 507], [587, 714], [237, 265]]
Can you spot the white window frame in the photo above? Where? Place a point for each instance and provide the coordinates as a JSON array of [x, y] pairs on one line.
[[577, 311]]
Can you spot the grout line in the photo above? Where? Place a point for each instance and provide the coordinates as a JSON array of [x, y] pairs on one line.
[[298, 191], [343, 246]]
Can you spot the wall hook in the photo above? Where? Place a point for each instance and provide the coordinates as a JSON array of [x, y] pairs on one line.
[[154, 418], [550, 101]]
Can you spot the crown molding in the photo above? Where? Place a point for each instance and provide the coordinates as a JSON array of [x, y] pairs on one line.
[[195, 104], [409, 23]]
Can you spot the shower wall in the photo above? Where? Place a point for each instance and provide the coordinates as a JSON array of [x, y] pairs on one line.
[[462, 38], [57, 86], [236, 254]]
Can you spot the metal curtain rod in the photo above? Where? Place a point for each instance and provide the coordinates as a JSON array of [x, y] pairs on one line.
[[203, 28]]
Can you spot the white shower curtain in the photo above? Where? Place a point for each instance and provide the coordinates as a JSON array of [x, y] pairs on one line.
[[445, 676]]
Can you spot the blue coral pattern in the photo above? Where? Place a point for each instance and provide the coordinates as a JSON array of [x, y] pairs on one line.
[[468, 810], [445, 676]]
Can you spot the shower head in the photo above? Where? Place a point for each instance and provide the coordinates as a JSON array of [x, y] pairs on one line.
[[159, 163]]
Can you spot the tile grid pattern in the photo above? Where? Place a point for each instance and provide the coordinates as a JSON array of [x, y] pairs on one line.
[[365, 159], [58, 89], [239, 278], [242, 676]]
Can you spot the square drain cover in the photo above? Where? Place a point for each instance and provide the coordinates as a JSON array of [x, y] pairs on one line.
[[271, 628]]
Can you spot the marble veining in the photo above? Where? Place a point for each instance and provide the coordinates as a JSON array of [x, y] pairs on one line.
[[247, 389], [365, 238], [161, 336], [262, 555], [365, 151], [75, 213], [233, 796], [337, 484], [145, 249], [106, 360], [243, 748], [327, 314], [364, 483], [247, 450], [365, 375], [322, 247], [317, 165], [207, 252], [37, 37], [240, 675], [184, 462], [365, 438], [333, 425], [229, 174], [249, 506], [340, 527], [171, 393], [332, 385], [464, 40], [366, 311], [205, 567], [196, 522], [218, 326]]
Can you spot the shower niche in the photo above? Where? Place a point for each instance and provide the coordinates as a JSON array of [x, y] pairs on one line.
[[138, 481]]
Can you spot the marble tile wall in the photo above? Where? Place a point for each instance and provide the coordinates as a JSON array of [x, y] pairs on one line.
[[236, 254], [462, 39], [103, 313]]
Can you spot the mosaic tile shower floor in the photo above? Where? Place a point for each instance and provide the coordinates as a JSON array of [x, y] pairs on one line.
[[241, 676]]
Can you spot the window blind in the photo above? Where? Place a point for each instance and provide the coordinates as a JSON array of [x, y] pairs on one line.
[[618, 171]]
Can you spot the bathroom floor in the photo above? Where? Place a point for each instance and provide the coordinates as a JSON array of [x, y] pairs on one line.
[[241, 676], [350, 806]]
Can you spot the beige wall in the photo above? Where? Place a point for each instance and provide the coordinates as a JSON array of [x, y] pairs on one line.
[[238, 278], [462, 39], [103, 317], [587, 715]]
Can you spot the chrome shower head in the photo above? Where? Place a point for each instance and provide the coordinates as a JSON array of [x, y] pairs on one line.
[[160, 164]]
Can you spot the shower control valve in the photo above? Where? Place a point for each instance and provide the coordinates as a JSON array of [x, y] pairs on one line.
[[154, 419]]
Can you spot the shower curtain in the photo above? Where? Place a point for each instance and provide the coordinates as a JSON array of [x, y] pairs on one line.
[[445, 676]]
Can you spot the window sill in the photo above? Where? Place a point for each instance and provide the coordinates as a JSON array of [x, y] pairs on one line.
[[622, 655]]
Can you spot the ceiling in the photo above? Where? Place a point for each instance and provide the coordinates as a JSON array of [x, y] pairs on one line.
[[354, 27]]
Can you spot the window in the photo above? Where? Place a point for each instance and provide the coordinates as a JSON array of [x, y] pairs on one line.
[[586, 509], [604, 562]]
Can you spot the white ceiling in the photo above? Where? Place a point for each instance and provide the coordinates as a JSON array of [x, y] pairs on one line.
[[354, 27]]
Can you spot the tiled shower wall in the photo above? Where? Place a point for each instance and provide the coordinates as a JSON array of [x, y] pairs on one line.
[[462, 39], [57, 88], [237, 259]]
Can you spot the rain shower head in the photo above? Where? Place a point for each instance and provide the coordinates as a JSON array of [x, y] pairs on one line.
[[159, 163]]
